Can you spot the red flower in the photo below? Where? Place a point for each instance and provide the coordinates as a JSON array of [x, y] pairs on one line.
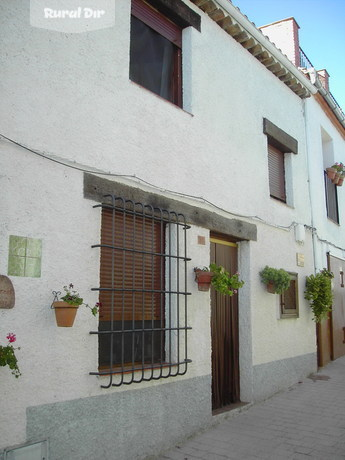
[[11, 337]]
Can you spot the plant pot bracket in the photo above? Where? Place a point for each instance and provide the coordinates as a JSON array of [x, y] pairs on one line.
[[56, 295]]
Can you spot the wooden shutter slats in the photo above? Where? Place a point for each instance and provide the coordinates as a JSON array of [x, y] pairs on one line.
[[276, 173], [132, 271], [157, 22]]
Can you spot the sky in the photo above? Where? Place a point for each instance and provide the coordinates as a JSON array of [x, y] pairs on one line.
[[321, 33]]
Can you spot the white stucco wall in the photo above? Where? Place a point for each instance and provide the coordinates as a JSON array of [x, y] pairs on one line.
[[329, 236], [55, 362], [69, 95], [275, 337]]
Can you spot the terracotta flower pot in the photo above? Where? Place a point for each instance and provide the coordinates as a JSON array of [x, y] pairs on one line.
[[331, 173], [336, 178], [270, 288], [65, 313], [340, 181], [203, 279]]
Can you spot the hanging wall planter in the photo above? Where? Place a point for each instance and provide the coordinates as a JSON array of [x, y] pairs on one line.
[[66, 308], [203, 277], [270, 288], [65, 313], [277, 280], [340, 181], [331, 173], [221, 280], [336, 178]]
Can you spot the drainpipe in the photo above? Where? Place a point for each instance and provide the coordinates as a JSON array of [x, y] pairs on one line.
[[305, 111]]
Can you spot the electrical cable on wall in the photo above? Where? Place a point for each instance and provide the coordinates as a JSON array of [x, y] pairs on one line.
[[143, 181]]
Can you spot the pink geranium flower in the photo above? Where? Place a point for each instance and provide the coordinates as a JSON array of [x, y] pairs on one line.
[[11, 337]]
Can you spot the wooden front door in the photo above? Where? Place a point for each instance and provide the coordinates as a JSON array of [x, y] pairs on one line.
[[331, 332], [224, 331], [337, 266]]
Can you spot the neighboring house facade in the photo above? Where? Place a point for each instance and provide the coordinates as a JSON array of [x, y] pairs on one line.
[[129, 156], [326, 138], [325, 131]]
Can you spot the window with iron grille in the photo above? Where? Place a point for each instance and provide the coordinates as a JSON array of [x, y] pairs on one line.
[[143, 328], [331, 200], [289, 299]]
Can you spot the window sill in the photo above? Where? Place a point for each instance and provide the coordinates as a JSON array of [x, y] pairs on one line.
[[289, 316], [333, 221], [160, 98], [277, 200]]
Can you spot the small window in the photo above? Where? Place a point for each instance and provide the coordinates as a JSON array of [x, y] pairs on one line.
[[143, 328], [279, 143], [289, 299], [276, 173], [156, 52], [331, 200]]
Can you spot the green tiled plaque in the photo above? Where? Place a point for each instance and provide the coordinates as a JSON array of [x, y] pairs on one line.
[[24, 256]]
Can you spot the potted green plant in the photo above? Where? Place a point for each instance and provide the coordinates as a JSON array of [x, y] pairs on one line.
[[66, 308], [319, 292], [276, 279], [224, 282], [203, 277], [7, 355]]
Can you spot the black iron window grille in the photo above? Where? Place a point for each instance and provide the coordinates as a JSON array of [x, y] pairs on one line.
[[142, 332]]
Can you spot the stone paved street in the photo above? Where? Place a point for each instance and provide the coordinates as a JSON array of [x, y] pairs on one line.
[[305, 422]]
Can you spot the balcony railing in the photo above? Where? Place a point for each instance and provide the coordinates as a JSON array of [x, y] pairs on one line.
[[336, 103], [303, 60]]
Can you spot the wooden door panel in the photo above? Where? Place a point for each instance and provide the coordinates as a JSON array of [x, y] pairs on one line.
[[338, 309], [224, 332]]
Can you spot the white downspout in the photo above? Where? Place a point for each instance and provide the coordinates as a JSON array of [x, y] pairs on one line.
[[314, 237]]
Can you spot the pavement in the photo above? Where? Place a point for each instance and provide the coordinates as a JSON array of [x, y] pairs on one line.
[[305, 422]]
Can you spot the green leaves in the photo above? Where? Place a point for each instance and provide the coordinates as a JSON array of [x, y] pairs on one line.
[[319, 293], [278, 277], [71, 297], [8, 358], [223, 282]]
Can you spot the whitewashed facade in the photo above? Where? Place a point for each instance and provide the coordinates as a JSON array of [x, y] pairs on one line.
[[82, 127]]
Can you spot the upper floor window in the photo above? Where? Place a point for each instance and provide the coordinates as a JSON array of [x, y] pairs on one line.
[[331, 200], [276, 173], [330, 187], [279, 144], [156, 46]]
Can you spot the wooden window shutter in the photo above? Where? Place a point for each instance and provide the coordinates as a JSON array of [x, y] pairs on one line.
[[157, 22], [134, 271], [276, 173]]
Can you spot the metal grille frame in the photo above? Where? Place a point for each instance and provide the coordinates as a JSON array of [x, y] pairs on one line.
[[173, 294]]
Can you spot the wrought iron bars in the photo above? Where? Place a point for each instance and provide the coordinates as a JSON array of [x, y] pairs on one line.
[[143, 315]]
